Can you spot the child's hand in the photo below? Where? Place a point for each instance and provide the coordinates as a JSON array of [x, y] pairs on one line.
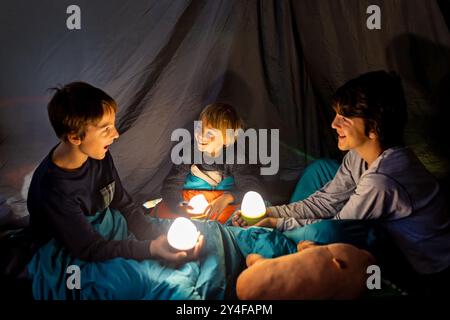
[[184, 205], [268, 222], [160, 248], [237, 220], [216, 207]]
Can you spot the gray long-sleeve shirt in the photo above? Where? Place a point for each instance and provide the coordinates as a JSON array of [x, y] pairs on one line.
[[398, 190]]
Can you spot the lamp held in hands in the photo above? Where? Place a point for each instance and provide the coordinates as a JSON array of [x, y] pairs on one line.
[[253, 208], [182, 234], [198, 204]]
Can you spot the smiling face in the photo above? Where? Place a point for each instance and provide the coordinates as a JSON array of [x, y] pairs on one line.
[[351, 132], [208, 138], [99, 136]]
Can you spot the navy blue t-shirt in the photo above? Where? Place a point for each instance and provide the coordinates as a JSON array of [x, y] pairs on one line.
[[60, 200]]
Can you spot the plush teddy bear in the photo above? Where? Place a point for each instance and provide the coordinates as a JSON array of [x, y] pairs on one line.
[[335, 271]]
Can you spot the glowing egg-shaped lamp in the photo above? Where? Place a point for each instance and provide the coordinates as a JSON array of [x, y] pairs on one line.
[[198, 203], [182, 234], [253, 208]]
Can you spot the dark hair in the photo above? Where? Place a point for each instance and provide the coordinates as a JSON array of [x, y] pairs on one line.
[[378, 98], [77, 105]]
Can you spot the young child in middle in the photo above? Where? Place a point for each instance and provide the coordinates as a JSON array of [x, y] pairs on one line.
[[223, 183]]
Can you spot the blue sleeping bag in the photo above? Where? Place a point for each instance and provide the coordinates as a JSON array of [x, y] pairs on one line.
[[212, 276]]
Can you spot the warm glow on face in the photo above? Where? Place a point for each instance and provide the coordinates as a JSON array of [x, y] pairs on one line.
[[198, 203], [253, 205], [182, 234]]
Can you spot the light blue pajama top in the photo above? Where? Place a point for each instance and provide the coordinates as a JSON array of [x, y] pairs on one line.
[[396, 189]]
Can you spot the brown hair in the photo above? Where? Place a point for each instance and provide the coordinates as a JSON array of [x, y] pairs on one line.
[[75, 106], [221, 116], [378, 98]]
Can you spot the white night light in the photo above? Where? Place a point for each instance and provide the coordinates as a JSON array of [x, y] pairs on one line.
[[182, 234], [253, 208], [198, 203]]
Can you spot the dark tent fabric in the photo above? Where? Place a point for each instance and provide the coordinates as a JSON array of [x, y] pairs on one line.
[[277, 61]]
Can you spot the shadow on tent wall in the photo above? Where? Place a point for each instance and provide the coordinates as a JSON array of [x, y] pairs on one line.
[[426, 79]]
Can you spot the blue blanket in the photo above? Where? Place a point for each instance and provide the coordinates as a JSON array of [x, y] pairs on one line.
[[212, 276]]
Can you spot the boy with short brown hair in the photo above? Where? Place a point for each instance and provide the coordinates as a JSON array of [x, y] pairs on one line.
[[78, 182]]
